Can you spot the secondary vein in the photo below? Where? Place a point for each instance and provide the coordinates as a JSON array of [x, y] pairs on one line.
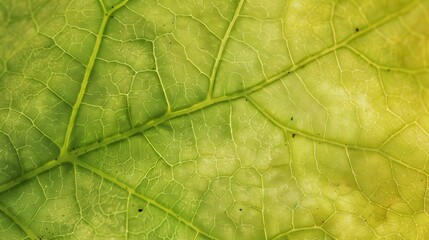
[[222, 48], [84, 84]]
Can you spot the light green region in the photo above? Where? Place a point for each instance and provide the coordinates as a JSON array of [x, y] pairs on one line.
[[217, 119]]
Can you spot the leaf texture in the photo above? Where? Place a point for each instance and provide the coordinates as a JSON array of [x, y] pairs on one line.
[[214, 119]]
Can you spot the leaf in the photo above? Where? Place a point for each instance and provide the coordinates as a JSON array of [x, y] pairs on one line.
[[245, 119]]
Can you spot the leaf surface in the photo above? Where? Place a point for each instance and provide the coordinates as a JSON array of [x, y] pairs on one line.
[[215, 119]]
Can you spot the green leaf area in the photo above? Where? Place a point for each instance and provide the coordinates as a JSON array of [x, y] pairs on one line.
[[214, 119]]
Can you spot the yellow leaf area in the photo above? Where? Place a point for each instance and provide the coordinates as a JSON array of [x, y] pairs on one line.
[[214, 119]]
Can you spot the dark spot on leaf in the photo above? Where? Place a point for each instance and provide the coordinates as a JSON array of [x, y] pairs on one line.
[[291, 118], [240, 209], [140, 210], [293, 135], [357, 29], [388, 70]]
